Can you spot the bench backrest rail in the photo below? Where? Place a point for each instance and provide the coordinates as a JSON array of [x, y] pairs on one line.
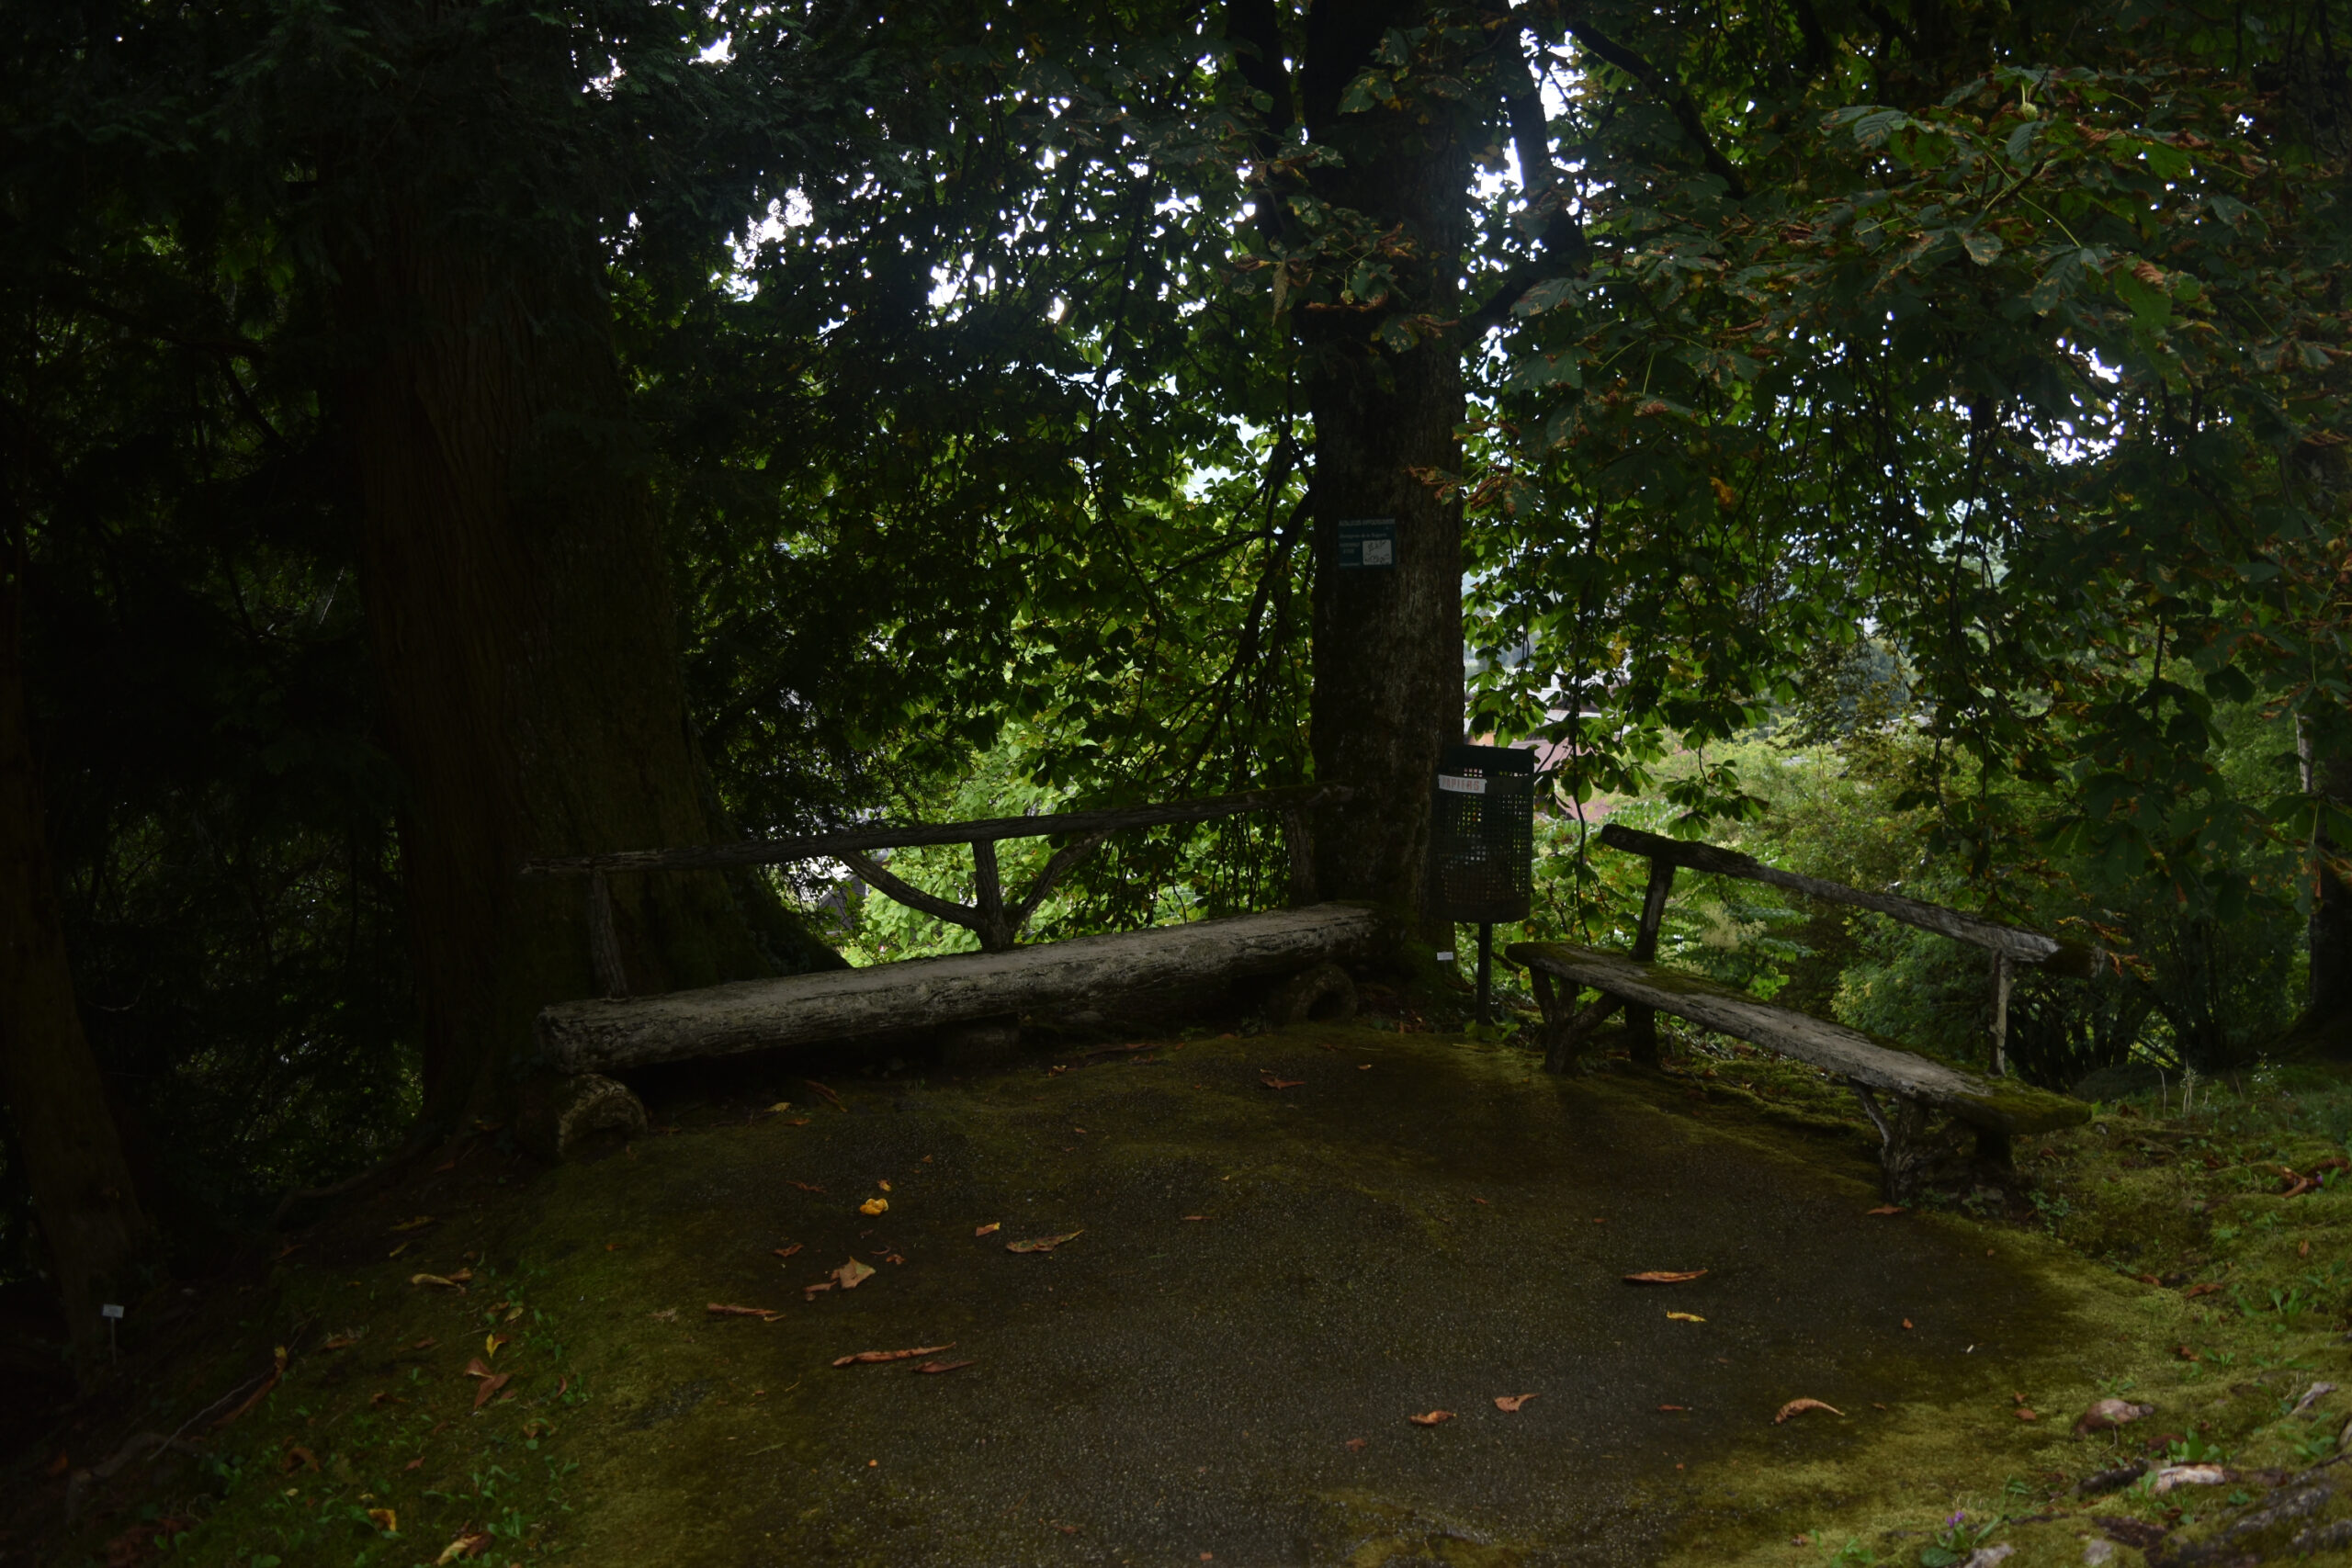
[[990, 916]]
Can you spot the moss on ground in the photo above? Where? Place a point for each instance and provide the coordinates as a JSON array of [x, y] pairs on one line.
[[1425, 1211]]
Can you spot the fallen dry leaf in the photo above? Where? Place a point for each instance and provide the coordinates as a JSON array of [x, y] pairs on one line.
[[787, 1251], [867, 1358], [1043, 1243], [341, 1342], [440, 1281], [2185, 1354], [491, 1343], [1355, 1444], [1511, 1402], [417, 1223], [830, 1097], [1664, 1276], [297, 1458], [1799, 1407], [807, 1186], [1433, 1419], [2207, 1289], [1886, 1209], [779, 1107], [426, 1344], [1684, 1318], [720, 1309], [1363, 1066], [810, 1293], [1663, 1407], [385, 1519], [942, 1366], [1906, 1322], [1196, 1216], [488, 1388], [398, 1251], [989, 1229], [874, 1207], [884, 1185], [795, 1121], [469, 1545], [1272, 1082], [416, 1464], [2025, 1414], [852, 1274]]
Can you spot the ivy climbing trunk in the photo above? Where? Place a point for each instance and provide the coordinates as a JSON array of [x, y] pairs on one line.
[[1384, 386], [519, 605], [49, 1082]]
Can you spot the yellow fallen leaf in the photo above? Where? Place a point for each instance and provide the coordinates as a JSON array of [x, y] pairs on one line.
[[781, 1105], [884, 1185], [384, 1520], [849, 1274], [1685, 1317], [1433, 1419], [989, 1229], [464, 1546], [873, 1206], [439, 1282]]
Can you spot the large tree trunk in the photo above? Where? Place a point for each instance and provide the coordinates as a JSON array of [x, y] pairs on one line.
[[520, 610], [81, 1183], [1387, 678]]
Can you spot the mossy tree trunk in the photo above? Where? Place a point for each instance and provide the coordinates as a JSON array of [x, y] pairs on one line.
[[1385, 390], [519, 602], [82, 1188]]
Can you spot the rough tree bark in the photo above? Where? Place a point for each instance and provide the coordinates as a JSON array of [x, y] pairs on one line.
[[518, 600], [81, 1187], [1388, 673]]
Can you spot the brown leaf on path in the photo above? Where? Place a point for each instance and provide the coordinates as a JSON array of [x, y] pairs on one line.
[[1196, 1216], [2185, 1354], [1906, 1322], [867, 1358], [1663, 1407], [1363, 1066], [439, 1281], [1043, 1243], [810, 1293], [472, 1544], [488, 1388], [989, 1229], [807, 1186], [1272, 1082], [1799, 1407], [1664, 1276], [1511, 1402], [1355, 1444], [830, 1097], [475, 1369], [942, 1366], [720, 1309], [2106, 1414], [787, 1251], [416, 1464], [341, 1342], [1433, 1419], [2025, 1414], [1886, 1209], [850, 1275]]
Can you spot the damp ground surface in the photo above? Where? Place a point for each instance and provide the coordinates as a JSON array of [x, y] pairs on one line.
[[1260, 1287]]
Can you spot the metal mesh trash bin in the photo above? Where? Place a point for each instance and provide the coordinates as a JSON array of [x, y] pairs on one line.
[[1482, 843]]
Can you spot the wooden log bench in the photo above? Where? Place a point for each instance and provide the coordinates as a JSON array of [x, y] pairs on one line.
[[1898, 1088], [983, 992], [604, 1034]]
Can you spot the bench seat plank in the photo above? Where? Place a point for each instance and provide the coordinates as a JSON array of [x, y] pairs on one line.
[[601, 1035], [1993, 1106]]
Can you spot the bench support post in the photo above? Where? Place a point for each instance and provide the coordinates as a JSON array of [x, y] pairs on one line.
[[1641, 1022], [1564, 1027], [2002, 975], [1901, 1154]]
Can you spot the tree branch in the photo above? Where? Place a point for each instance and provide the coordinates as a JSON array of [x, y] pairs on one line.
[[1673, 94]]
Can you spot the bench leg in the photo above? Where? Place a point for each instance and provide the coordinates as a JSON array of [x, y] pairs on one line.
[[1901, 1151], [1564, 1027]]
